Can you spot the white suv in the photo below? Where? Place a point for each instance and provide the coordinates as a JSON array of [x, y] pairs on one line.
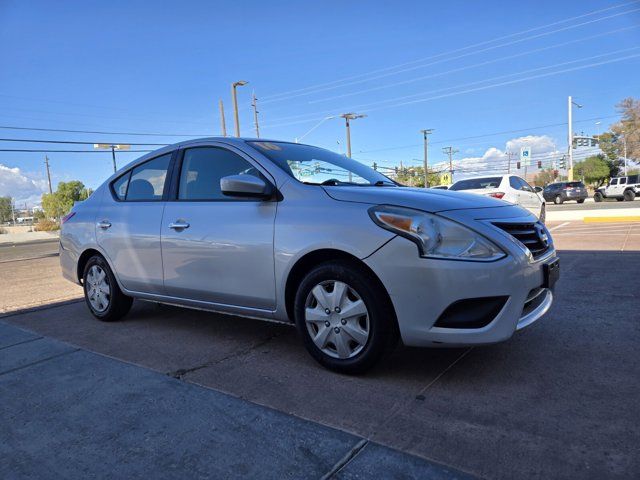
[[509, 188], [620, 188]]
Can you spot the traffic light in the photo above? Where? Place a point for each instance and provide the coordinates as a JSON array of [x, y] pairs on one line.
[[563, 163], [375, 166], [518, 165], [539, 163]]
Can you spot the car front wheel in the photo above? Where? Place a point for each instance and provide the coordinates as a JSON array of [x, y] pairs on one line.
[[557, 200], [344, 317], [101, 292]]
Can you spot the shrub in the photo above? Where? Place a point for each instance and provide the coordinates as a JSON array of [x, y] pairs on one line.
[[46, 226], [3, 231]]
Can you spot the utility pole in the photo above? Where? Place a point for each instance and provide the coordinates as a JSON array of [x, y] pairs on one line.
[[46, 162], [347, 117], [113, 157], [223, 124], [509, 154], [425, 134], [451, 152], [255, 113], [624, 140], [570, 104], [234, 97]]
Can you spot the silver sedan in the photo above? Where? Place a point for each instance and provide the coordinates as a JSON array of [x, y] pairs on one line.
[[294, 233]]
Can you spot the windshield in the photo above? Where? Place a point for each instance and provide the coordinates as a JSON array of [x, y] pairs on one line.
[[317, 166], [477, 183]]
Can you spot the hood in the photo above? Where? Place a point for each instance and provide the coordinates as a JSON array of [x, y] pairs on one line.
[[428, 200]]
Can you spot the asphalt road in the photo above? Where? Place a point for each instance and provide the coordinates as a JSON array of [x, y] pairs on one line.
[[559, 400], [29, 250], [606, 205]]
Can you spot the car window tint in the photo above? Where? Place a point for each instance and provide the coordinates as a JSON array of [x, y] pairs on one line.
[[623, 180], [202, 169], [514, 183], [120, 186], [524, 185], [477, 183], [614, 181], [147, 180]]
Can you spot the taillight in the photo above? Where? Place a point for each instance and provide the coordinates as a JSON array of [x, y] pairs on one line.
[[496, 194], [67, 217]]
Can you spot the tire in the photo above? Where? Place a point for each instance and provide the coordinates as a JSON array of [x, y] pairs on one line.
[[106, 305], [581, 201], [620, 199], [557, 200], [629, 195], [597, 197], [374, 330], [543, 214]]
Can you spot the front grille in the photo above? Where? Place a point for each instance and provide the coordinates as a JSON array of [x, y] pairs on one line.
[[534, 236]]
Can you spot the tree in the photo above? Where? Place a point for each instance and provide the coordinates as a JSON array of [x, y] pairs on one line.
[[60, 202], [5, 209], [594, 170], [612, 143], [414, 177], [545, 177]]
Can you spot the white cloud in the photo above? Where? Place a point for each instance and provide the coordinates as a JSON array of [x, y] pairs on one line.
[[495, 160], [22, 187]]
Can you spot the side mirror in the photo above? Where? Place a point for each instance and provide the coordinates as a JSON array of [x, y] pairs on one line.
[[538, 189], [245, 186]]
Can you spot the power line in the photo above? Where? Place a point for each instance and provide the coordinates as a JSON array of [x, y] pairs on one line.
[[66, 151], [143, 134], [368, 76], [467, 67], [74, 142]]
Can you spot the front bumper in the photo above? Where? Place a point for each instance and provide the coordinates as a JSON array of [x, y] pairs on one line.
[[421, 289]]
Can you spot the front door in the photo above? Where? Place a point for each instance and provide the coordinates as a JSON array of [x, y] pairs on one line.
[[216, 248], [128, 225]]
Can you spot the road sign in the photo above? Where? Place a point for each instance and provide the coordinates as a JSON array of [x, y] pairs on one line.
[[445, 178], [109, 146], [525, 155]]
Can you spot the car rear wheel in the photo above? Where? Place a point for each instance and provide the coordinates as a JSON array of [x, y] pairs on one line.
[[629, 195], [102, 293], [597, 197], [581, 201], [344, 317], [557, 200]]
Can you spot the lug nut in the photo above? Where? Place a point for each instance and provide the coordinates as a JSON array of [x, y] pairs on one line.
[[327, 323], [337, 309], [337, 329], [327, 311], [343, 321]]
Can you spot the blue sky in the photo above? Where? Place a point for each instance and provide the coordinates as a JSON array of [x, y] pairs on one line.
[[162, 66]]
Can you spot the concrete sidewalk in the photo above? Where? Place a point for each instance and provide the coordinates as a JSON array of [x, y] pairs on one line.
[[69, 413]]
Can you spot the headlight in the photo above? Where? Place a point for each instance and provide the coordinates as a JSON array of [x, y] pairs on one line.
[[435, 236]]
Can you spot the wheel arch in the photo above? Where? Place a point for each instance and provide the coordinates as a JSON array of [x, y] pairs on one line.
[[84, 258], [311, 259]]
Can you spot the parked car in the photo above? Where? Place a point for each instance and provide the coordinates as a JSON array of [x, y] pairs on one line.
[[620, 188], [509, 188], [294, 233], [441, 187], [561, 192]]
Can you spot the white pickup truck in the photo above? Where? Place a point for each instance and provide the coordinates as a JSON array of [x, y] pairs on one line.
[[620, 188]]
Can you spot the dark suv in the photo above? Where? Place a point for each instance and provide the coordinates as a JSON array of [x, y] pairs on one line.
[[563, 191]]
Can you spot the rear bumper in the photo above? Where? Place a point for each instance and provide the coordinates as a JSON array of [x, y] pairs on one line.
[[422, 289]]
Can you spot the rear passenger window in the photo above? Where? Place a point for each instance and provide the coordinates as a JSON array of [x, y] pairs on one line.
[[120, 186], [202, 169], [623, 180], [513, 182], [147, 180]]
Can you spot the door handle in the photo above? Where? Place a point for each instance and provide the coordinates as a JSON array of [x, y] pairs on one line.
[[179, 225], [104, 224]]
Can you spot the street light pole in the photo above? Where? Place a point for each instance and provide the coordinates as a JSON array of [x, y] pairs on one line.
[[113, 156], [223, 123], [425, 133], [570, 104], [46, 162], [347, 117], [234, 98], [624, 140]]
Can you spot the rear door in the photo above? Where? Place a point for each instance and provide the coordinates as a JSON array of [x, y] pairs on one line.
[[216, 248], [128, 225]]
